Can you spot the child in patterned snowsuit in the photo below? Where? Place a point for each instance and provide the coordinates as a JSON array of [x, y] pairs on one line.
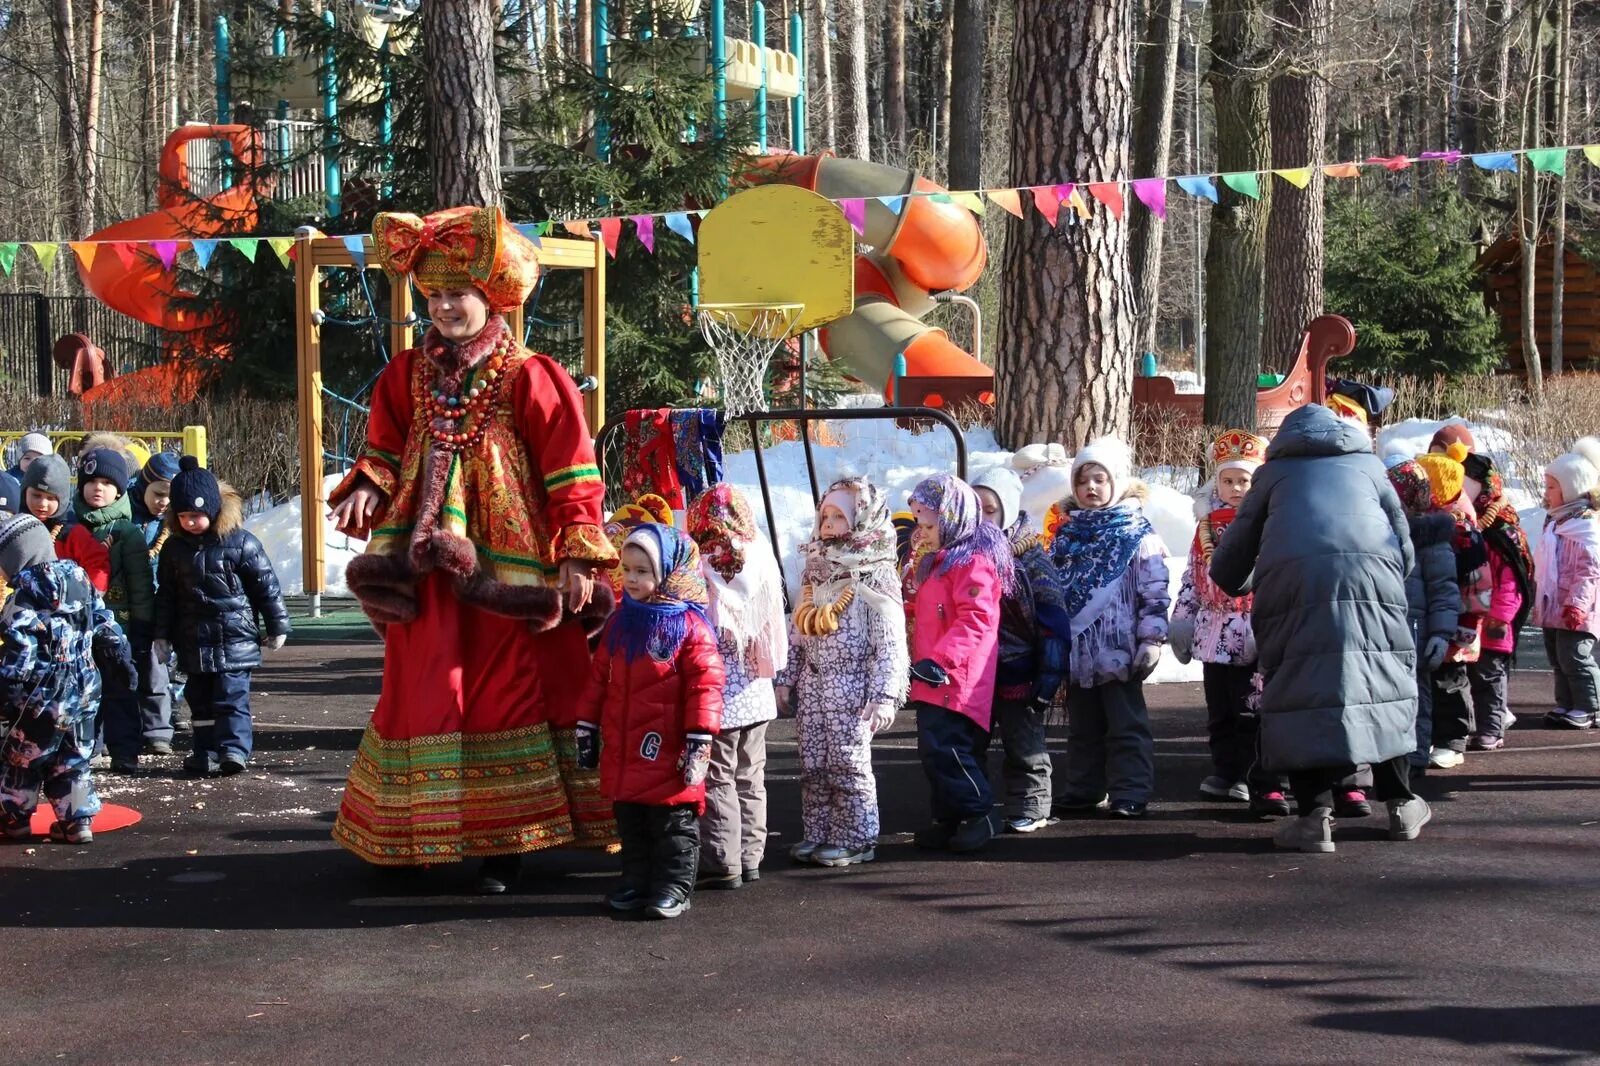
[[1214, 627], [955, 651], [1452, 706], [1114, 575], [746, 611], [56, 638], [847, 670], [1033, 653]]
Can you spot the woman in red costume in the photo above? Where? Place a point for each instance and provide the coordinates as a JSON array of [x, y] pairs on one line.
[[479, 493]]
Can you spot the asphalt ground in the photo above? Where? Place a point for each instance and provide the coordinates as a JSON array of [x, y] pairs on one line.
[[228, 928]]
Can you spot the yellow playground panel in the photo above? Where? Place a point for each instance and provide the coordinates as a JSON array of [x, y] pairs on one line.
[[190, 440], [313, 253], [778, 246]]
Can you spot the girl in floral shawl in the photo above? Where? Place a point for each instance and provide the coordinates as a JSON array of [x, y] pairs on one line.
[[1512, 577], [847, 670], [746, 611], [1114, 576]]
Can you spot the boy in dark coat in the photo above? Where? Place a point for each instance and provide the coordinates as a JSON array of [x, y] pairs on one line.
[[213, 580], [56, 639], [1324, 544]]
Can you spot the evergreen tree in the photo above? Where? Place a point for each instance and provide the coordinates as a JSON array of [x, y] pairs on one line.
[[1405, 275]]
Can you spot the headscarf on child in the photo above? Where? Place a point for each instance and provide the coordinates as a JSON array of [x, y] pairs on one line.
[[1093, 549], [1234, 450], [963, 534], [1502, 529], [862, 560], [1410, 483], [658, 626], [748, 605]]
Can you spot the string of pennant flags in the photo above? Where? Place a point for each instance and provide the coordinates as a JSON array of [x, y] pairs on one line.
[[1047, 201]]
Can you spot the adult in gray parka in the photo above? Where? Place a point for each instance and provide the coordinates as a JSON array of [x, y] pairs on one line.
[[1323, 543]]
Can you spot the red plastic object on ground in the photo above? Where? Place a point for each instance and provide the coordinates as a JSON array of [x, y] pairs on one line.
[[112, 817]]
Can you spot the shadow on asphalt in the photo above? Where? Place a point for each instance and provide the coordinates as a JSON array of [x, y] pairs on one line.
[[1562, 1029]]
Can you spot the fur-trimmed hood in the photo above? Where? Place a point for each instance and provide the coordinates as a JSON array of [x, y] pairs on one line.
[[229, 519], [1137, 490], [1434, 527]]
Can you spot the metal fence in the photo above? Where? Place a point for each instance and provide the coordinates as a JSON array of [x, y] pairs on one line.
[[293, 157], [30, 324]]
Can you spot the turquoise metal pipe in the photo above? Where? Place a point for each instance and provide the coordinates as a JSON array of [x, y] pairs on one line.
[[224, 77], [718, 33], [331, 176], [386, 120], [600, 26], [758, 25], [797, 106]]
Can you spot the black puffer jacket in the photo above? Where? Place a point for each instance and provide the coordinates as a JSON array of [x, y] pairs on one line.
[[216, 593]]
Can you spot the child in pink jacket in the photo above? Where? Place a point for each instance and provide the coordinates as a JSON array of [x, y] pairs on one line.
[[955, 648], [1566, 603], [1511, 599]]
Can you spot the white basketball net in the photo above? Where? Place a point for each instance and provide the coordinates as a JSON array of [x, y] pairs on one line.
[[744, 339]]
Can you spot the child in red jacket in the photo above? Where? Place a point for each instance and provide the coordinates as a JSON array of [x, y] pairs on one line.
[[653, 705], [955, 650], [46, 488]]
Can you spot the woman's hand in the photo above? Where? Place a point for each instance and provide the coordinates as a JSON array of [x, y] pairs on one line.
[[577, 581], [354, 514]]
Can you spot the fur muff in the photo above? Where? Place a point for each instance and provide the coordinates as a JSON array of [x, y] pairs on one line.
[[385, 587]]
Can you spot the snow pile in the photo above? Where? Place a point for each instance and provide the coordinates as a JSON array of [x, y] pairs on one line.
[[279, 532]]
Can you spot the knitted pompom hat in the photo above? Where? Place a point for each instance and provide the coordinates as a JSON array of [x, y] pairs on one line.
[[195, 490], [1452, 433], [107, 464], [24, 542], [1578, 471], [1445, 472], [1111, 455]]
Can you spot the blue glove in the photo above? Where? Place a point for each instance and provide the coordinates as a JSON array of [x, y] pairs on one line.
[[588, 746], [114, 659], [928, 671]]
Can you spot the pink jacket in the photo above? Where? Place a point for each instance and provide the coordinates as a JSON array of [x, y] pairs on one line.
[[1566, 570], [1504, 603], [958, 627]]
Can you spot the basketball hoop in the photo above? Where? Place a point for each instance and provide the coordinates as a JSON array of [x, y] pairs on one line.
[[744, 337]]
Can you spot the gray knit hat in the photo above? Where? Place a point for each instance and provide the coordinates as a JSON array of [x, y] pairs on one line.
[[49, 473], [24, 542]]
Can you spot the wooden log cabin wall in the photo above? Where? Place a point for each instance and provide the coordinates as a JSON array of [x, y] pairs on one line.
[[1502, 269]]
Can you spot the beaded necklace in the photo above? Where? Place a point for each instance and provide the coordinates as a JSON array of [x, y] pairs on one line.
[[459, 419]]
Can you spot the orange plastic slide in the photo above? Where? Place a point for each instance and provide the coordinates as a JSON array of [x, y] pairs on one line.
[[145, 290], [927, 246]]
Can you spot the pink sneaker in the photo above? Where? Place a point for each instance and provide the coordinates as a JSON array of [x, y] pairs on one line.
[[1351, 803]]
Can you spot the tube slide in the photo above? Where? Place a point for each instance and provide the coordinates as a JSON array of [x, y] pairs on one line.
[[928, 247], [147, 291]]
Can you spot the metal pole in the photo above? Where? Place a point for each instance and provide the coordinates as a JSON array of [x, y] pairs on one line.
[[280, 50], [224, 92], [599, 18], [758, 25], [977, 317], [386, 122], [330, 136], [797, 106], [719, 67]]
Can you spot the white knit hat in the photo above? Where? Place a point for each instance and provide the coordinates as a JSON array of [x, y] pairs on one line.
[[1578, 471], [1007, 488], [1111, 454], [34, 442], [646, 541]]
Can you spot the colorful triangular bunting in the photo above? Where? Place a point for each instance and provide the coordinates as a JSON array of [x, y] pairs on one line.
[[1047, 203], [203, 250], [1299, 177], [280, 247], [678, 222], [46, 253], [1110, 194], [1495, 161], [645, 227], [1245, 183], [1152, 192], [1342, 170], [969, 200], [1394, 164], [126, 253], [245, 246], [893, 203], [610, 233], [1075, 201], [1549, 160], [8, 256], [531, 231], [85, 251], [578, 228], [167, 252], [1007, 199], [855, 209], [1199, 186], [356, 245], [1591, 152]]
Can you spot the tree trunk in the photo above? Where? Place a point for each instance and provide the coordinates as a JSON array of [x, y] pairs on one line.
[[856, 125], [463, 103], [150, 122], [1528, 207], [966, 95], [1236, 254], [947, 39], [583, 32], [91, 112], [1065, 357], [894, 79], [1298, 102], [1152, 143], [819, 65], [1558, 248], [69, 119]]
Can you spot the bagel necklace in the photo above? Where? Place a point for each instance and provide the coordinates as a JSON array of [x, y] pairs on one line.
[[458, 420]]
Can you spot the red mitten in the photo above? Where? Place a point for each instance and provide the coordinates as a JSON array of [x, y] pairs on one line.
[[1574, 618]]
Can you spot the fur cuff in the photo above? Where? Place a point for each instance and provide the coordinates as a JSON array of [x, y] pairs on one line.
[[385, 588], [538, 605]]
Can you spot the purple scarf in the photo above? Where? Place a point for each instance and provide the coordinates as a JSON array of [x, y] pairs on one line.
[[963, 533]]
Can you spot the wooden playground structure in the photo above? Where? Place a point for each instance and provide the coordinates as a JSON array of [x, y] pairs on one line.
[[314, 253]]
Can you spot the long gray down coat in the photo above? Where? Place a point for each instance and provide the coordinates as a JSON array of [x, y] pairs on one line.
[[1323, 543]]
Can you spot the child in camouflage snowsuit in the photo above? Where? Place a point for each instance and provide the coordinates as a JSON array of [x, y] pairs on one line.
[[56, 638]]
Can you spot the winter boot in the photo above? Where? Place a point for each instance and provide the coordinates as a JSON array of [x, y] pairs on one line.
[[1407, 817], [1311, 832]]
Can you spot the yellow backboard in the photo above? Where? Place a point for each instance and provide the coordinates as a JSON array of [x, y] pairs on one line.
[[779, 244]]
